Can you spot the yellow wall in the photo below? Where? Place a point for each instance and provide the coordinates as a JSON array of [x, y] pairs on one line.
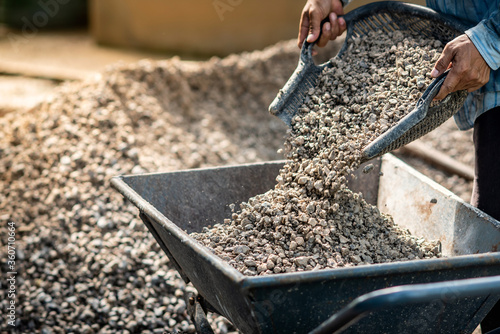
[[203, 27]]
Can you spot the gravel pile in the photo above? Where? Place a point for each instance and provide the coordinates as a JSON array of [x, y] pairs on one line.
[[85, 263], [311, 220]]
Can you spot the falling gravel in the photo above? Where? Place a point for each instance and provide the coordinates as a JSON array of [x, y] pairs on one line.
[[311, 220], [85, 263]]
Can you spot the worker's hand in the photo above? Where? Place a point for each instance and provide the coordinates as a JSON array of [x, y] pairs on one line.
[[310, 23], [468, 69]]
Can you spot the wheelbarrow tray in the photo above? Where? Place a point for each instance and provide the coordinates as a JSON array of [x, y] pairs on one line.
[[176, 203]]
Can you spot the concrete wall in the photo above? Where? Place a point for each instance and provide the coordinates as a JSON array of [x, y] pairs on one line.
[[198, 27], [203, 26]]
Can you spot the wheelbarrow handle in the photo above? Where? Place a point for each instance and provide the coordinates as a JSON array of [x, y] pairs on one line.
[[404, 295], [197, 311]]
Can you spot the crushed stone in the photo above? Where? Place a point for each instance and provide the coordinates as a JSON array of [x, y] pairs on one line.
[[311, 220], [86, 263]]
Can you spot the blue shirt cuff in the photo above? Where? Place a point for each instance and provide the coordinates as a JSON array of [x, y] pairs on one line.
[[486, 38]]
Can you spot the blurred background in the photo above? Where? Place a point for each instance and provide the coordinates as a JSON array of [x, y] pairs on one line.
[[45, 42], [147, 117]]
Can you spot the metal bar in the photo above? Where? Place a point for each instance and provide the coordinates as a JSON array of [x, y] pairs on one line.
[[405, 295], [197, 312], [438, 159], [158, 239]]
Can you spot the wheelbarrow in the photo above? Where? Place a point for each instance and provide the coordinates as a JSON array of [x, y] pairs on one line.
[[451, 294]]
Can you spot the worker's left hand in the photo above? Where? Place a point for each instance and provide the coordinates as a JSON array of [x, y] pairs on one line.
[[310, 22], [468, 69]]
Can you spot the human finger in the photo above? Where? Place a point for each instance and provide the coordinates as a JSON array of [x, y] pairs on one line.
[[444, 61], [303, 27], [335, 26], [342, 25], [449, 85], [326, 33], [314, 27]]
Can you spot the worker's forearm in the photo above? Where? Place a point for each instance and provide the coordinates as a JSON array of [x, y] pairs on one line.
[[486, 37]]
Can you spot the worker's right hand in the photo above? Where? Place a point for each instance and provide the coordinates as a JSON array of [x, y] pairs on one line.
[[468, 69], [310, 23]]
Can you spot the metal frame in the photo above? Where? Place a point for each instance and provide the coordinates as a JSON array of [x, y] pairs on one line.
[[404, 295], [263, 304]]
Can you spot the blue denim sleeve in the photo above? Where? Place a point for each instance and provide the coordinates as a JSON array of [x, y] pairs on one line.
[[486, 37], [345, 2]]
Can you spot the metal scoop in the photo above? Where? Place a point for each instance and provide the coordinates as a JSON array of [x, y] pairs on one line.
[[385, 16]]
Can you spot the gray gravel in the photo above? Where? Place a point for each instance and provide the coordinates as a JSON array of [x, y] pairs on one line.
[[86, 263], [311, 220]]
